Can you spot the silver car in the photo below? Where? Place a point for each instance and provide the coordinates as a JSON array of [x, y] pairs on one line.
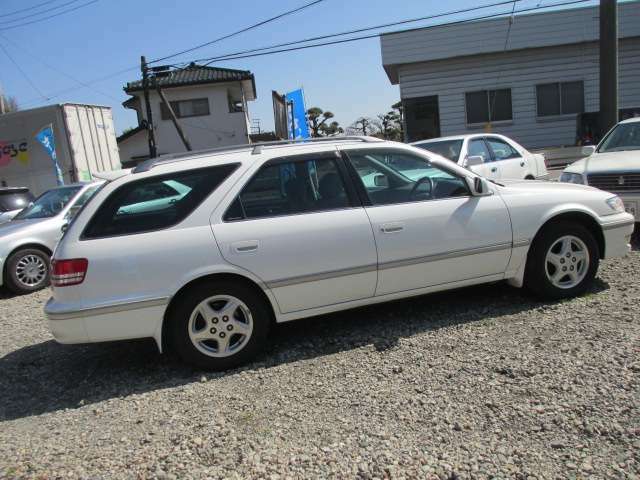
[[28, 240]]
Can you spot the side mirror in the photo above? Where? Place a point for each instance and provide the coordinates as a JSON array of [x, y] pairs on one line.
[[478, 186], [588, 150], [381, 180], [473, 160], [64, 227]]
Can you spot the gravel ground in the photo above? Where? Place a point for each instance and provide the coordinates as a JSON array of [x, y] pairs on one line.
[[476, 383]]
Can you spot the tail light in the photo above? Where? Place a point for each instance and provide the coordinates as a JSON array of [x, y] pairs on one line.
[[68, 272]]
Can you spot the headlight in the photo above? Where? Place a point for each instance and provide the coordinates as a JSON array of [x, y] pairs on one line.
[[616, 204], [568, 177]]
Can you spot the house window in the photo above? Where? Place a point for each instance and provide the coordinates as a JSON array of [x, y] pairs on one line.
[[186, 108], [235, 104], [486, 106], [560, 98]]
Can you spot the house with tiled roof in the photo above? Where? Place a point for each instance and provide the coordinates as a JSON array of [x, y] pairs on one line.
[[210, 103]]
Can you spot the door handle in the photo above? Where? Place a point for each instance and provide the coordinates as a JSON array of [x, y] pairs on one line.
[[494, 169], [245, 246], [391, 227]]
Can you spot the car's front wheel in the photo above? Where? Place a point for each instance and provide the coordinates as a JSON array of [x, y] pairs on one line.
[[219, 325], [27, 270], [562, 262]]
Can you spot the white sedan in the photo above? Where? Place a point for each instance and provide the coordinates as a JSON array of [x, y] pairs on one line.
[[613, 166], [491, 155]]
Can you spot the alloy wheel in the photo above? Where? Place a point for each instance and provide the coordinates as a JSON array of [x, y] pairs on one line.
[[567, 262], [31, 270], [220, 326]]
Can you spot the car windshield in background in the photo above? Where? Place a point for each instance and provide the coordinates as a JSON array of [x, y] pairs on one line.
[[49, 204], [447, 148], [625, 136], [14, 200]]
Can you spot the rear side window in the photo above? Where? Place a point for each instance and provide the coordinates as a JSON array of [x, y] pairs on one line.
[[14, 200], [291, 188], [155, 203]]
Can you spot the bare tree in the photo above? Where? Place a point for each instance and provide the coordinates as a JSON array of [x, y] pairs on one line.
[[363, 126]]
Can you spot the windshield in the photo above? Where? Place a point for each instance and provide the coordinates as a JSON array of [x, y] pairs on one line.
[[625, 136], [49, 204], [447, 148]]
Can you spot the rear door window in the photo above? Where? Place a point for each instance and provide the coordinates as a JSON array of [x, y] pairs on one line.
[[288, 188], [155, 203]]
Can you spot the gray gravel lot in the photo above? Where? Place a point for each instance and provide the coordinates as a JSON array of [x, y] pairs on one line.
[[476, 383]]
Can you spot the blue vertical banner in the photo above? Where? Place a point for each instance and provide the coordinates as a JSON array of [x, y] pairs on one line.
[[297, 126], [45, 137]]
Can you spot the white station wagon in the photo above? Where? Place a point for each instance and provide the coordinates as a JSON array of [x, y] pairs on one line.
[[269, 233]]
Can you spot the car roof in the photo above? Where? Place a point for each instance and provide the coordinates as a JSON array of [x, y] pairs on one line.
[[271, 148], [631, 120], [13, 190], [454, 137]]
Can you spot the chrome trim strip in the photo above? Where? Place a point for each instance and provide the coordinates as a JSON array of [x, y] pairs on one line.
[[106, 309], [612, 225], [314, 277], [521, 242], [444, 256]]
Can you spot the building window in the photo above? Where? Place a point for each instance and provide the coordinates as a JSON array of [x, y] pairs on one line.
[[235, 104], [486, 106], [560, 98], [186, 108]]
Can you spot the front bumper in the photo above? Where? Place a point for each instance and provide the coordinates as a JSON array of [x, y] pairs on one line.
[[631, 203], [617, 230]]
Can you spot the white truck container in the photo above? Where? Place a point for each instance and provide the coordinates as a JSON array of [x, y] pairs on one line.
[[85, 142]]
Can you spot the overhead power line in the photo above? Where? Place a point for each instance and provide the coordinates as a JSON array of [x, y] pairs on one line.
[[35, 14], [366, 29], [24, 24], [58, 70], [33, 7], [24, 74], [238, 32], [240, 55]]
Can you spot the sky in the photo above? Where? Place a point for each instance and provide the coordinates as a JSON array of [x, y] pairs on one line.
[[52, 59]]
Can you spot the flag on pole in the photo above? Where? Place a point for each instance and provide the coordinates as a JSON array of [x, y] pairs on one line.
[[45, 137]]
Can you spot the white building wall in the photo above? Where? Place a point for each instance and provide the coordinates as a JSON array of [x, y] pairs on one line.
[[521, 71], [219, 128]]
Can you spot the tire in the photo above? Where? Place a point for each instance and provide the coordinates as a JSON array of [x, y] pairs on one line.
[[194, 331], [548, 256], [27, 271]]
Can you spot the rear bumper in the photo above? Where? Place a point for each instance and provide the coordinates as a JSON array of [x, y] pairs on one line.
[[119, 321], [617, 231]]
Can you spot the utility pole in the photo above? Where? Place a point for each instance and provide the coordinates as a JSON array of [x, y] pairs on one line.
[[608, 64], [153, 151], [293, 121], [174, 119]]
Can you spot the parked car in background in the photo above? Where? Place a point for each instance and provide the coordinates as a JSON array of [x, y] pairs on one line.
[[257, 234], [614, 165], [27, 241], [12, 200], [490, 155]]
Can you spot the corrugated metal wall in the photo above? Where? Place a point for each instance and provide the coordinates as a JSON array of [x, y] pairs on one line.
[[521, 71]]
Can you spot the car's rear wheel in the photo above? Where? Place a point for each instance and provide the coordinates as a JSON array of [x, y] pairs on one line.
[[562, 262], [27, 270], [219, 325]]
